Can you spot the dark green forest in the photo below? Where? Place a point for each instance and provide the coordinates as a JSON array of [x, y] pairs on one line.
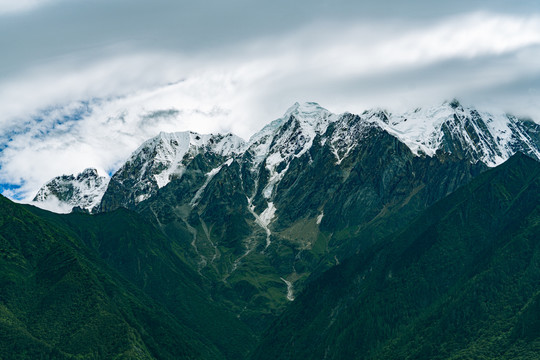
[[461, 281], [103, 287]]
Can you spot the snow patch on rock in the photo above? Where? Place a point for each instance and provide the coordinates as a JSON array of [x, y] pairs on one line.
[[264, 219], [290, 289], [320, 217]]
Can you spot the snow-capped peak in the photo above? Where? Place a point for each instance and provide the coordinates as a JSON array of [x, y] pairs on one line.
[[165, 155], [163, 158], [306, 110], [63, 193], [290, 136], [462, 131], [308, 119], [302, 123]]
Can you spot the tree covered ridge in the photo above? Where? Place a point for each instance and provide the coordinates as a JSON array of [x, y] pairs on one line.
[[459, 282], [61, 298]]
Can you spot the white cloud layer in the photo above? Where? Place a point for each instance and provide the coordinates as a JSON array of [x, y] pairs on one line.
[[80, 111], [15, 6]]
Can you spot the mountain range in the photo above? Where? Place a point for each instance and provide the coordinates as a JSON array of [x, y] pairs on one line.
[[450, 128], [245, 245]]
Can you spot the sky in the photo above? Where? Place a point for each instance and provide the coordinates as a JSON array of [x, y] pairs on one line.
[[84, 83]]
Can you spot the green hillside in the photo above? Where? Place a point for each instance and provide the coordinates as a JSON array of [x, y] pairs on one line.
[[461, 282], [61, 299], [141, 254]]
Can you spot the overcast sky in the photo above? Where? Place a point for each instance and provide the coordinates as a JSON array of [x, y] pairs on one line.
[[83, 83]]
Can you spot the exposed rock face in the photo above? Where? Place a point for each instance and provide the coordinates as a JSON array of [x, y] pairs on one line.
[[161, 159]]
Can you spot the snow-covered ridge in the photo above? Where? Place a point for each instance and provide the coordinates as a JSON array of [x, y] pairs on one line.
[[452, 128], [163, 158], [63, 193], [166, 153], [290, 136], [419, 129], [449, 128], [311, 119]]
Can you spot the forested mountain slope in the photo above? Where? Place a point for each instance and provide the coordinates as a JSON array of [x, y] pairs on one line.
[[460, 282]]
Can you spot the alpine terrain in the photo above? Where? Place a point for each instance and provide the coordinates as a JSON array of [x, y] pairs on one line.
[[322, 236], [460, 282]]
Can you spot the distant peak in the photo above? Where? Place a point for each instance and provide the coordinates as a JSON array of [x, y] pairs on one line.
[[305, 108], [65, 192]]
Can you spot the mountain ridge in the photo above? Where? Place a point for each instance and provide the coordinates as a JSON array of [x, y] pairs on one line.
[[449, 128], [215, 228], [63, 193]]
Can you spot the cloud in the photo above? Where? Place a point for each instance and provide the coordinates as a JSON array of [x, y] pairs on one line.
[[87, 110], [15, 6]]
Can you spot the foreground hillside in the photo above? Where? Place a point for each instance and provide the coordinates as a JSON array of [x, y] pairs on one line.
[[89, 288], [460, 282]]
